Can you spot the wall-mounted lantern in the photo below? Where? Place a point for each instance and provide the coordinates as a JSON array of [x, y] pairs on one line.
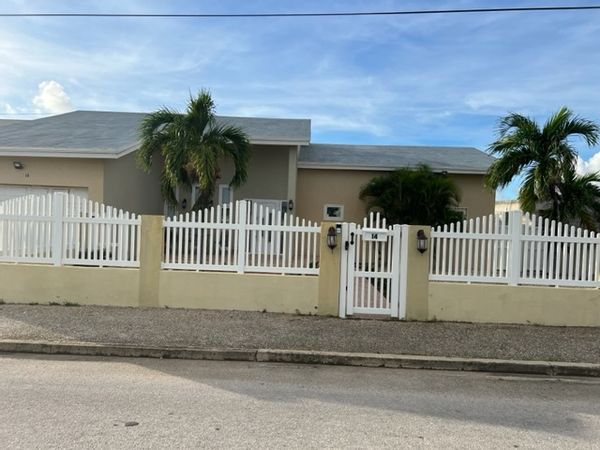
[[184, 203], [18, 165], [290, 205], [421, 241], [331, 238]]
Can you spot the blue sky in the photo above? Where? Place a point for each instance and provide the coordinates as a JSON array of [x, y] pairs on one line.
[[441, 80]]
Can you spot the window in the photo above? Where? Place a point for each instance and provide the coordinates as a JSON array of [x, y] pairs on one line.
[[225, 194], [333, 212], [462, 210]]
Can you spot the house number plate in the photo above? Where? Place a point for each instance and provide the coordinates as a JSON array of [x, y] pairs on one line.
[[375, 234]]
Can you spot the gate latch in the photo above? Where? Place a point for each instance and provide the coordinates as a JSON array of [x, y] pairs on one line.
[[348, 244]]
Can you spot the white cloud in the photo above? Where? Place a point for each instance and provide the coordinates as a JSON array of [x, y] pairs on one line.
[[52, 98], [589, 166], [8, 109]]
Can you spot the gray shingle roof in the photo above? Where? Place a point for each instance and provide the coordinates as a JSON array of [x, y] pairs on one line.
[[108, 134], [9, 121], [389, 157]]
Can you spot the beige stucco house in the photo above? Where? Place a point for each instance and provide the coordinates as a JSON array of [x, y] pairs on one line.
[[92, 154]]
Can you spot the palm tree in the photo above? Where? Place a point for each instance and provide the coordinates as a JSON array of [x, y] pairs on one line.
[[579, 201], [191, 145], [413, 196], [544, 157]]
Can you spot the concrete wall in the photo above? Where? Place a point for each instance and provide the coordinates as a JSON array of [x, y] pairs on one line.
[[127, 187], [317, 187], [514, 304], [247, 292], [175, 289], [56, 172], [27, 283]]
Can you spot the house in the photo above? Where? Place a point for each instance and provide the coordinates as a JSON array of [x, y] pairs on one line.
[[92, 154], [334, 174]]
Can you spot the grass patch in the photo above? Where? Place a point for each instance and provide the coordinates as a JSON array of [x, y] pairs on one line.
[[71, 304], [53, 303]]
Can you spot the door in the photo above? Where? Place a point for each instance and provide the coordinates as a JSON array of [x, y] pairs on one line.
[[373, 275]]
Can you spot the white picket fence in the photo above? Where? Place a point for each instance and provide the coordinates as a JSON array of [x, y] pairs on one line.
[[515, 249], [66, 229], [242, 237]]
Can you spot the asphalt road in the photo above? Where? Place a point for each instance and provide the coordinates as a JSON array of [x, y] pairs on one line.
[[70, 402]]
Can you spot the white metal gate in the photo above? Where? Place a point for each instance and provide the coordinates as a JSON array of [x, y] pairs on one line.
[[373, 271]]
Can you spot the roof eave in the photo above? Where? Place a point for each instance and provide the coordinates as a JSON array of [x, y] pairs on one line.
[[67, 153], [294, 143], [304, 165], [28, 153]]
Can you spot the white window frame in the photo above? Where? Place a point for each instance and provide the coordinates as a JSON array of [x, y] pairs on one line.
[[333, 205], [231, 193]]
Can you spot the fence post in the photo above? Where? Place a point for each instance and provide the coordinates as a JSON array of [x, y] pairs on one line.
[[57, 227], [414, 275], [328, 303], [515, 247], [242, 221], [150, 239]]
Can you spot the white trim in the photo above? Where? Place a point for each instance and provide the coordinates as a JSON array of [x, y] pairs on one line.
[[304, 165], [32, 154], [333, 205], [267, 142]]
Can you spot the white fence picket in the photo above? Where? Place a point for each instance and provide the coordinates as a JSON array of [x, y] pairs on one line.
[[65, 229], [526, 250], [242, 237]]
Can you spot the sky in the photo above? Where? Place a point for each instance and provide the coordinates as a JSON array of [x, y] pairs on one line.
[[406, 80]]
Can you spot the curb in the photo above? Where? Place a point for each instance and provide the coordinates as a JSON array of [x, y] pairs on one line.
[[308, 357]]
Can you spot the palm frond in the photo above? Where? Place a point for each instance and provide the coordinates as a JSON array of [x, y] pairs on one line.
[[236, 145]]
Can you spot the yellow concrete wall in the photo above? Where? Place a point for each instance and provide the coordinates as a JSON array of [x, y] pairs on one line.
[[329, 273], [246, 292], [417, 277], [30, 283], [176, 289], [317, 187], [514, 304], [56, 172]]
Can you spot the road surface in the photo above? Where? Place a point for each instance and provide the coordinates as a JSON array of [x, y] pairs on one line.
[[74, 402]]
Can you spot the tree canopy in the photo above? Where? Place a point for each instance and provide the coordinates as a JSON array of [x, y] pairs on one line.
[[546, 160], [191, 144]]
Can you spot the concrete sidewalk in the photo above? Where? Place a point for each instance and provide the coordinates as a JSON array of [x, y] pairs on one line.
[[202, 329]]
